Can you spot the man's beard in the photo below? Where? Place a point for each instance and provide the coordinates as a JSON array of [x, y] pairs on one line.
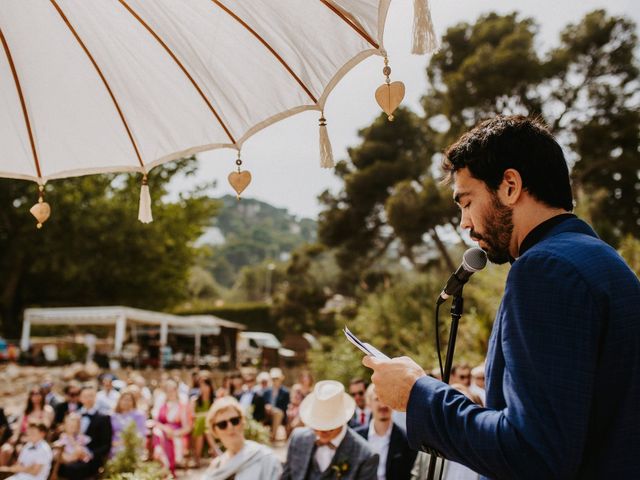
[[499, 227]]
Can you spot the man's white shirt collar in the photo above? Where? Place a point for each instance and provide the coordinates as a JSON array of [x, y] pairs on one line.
[[324, 455]]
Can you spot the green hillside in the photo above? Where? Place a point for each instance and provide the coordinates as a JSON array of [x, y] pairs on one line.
[[249, 232]]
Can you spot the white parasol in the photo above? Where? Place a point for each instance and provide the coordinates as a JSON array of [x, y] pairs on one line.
[[99, 86]]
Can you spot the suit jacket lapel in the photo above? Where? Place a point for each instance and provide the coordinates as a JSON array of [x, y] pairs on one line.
[[343, 454]]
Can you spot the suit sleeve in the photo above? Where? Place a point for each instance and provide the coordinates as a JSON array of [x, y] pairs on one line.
[[286, 471], [549, 330], [105, 434]]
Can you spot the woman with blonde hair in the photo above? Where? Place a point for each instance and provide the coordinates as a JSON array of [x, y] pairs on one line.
[[242, 459]]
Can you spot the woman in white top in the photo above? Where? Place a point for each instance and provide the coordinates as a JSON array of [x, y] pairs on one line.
[[243, 459]]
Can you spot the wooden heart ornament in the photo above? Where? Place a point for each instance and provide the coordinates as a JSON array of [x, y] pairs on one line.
[[389, 96], [42, 211], [239, 181]]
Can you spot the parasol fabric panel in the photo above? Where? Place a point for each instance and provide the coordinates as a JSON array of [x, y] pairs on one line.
[[125, 85]]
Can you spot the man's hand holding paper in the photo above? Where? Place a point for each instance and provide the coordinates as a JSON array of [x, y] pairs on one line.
[[394, 378]]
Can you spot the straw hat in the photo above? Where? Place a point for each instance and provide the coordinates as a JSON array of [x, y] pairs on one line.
[[327, 407]]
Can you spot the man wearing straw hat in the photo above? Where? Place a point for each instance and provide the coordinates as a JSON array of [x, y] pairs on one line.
[[327, 447]]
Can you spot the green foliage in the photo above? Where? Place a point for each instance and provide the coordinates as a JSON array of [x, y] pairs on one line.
[[630, 251], [72, 353], [392, 208], [310, 279], [399, 320], [256, 431], [585, 89], [354, 221], [253, 232], [255, 315], [127, 464], [93, 250]]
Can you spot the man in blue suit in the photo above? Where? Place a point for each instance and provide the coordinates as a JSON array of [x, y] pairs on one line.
[[563, 364], [388, 440], [276, 401]]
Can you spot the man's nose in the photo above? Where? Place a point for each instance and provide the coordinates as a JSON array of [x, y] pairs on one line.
[[465, 221]]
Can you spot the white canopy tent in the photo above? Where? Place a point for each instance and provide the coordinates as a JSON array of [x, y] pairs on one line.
[[121, 318]]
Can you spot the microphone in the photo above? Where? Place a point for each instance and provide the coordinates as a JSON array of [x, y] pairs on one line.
[[473, 260]]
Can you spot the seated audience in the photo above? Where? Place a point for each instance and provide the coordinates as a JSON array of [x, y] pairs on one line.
[[251, 398], [263, 381], [452, 470], [200, 406], [70, 403], [293, 410], [36, 411], [98, 428], [477, 382], [108, 396], [242, 459], [461, 374], [305, 379], [327, 447], [50, 397], [34, 462], [72, 441], [5, 428], [388, 440], [171, 424], [362, 414], [124, 414], [276, 400]]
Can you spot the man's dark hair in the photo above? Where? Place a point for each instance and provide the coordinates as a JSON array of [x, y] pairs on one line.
[[522, 143], [357, 380], [462, 366]]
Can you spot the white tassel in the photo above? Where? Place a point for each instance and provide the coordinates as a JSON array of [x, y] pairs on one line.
[[144, 211], [326, 153], [424, 35]]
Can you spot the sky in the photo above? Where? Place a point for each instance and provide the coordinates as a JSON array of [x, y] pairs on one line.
[[284, 158]]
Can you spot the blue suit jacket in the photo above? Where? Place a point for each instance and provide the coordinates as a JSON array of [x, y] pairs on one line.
[[400, 457], [563, 371], [282, 401]]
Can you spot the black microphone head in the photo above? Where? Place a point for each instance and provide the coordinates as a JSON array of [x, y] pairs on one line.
[[474, 259]]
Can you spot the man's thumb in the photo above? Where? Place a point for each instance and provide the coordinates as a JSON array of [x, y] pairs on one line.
[[370, 362]]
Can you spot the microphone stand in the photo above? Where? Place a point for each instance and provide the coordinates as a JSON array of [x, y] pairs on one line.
[[457, 305]]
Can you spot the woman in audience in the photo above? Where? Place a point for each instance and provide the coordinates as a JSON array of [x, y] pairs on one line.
[[305, 379], [293, 410], [242, 459], [200, 406], [124, 414], [36, 411], [72, 441], [170, 426]]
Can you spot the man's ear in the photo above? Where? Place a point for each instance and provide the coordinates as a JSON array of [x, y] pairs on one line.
[[510, 189]]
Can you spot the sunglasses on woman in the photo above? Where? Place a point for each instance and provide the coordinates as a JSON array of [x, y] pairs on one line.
[[222, 425]]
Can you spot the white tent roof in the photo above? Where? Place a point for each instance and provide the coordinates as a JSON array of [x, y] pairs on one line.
[[119, 317]]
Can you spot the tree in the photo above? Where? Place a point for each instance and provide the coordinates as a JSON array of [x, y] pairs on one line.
[[93, 250], [392, 207], [303, 292], [356, 222], [586, 90]]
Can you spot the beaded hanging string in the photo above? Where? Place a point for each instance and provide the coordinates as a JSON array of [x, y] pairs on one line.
[[41, 210]]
